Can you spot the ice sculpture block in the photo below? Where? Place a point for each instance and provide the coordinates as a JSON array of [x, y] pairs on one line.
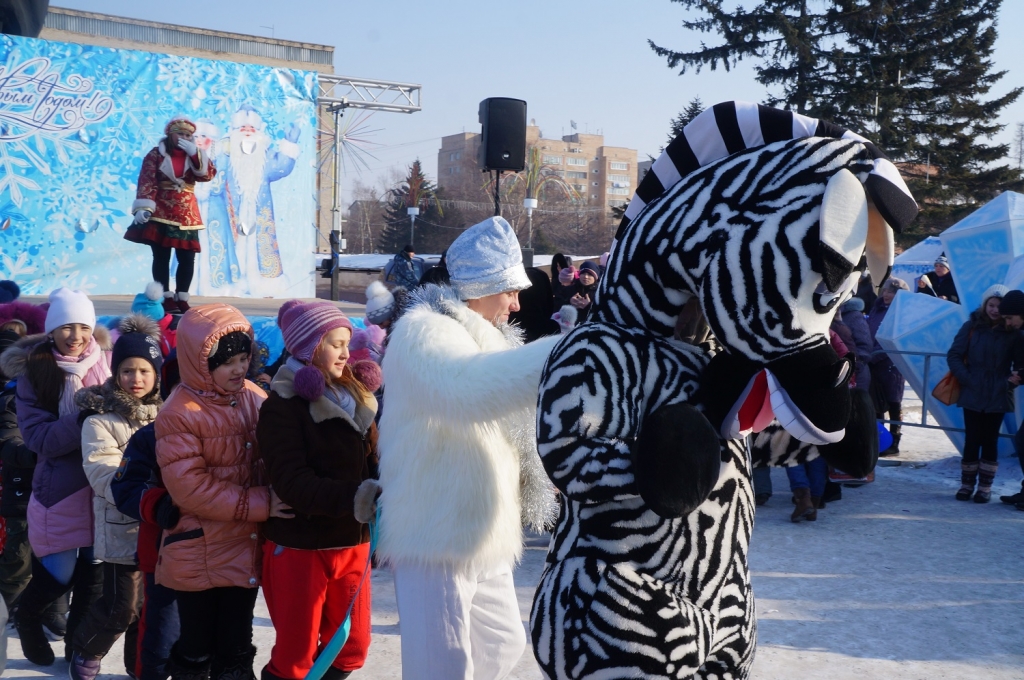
[[982, 246]]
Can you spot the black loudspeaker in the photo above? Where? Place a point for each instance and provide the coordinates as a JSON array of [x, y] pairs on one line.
[[503, 146]]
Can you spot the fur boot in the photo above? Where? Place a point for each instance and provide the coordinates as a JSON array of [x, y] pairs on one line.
[[968, 477]]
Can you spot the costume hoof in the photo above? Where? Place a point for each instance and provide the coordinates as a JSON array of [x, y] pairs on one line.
[[857, 452], [676, 460]]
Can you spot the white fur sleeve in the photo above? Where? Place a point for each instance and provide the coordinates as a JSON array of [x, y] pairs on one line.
[[436, 362]]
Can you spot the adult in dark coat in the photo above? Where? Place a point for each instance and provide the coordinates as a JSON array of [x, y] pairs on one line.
[[1012, 310], [939, 283], [852, 312], [980, 358], [536, 305], [18, 465], [886, 380]]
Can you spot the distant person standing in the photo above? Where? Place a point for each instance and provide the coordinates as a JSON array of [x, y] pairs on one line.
[[939, 283], [403, 270], [886, 380]]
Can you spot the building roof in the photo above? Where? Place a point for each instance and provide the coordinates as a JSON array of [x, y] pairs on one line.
[[186, 37]]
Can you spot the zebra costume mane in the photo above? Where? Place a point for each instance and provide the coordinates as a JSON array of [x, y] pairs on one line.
[[766, 219]]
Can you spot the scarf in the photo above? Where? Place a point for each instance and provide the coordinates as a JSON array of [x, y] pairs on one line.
[[76, 370], [335, 393]]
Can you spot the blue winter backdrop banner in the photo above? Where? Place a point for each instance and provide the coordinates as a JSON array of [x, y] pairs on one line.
[[75, 124]]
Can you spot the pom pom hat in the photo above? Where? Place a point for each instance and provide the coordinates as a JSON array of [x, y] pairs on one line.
[[140, 338], [486, 259], [150, 303], [69, 306], [997, 290], [304, 326], [380, 303]]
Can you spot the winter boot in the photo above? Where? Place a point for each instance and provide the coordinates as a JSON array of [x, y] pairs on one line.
[[833, 492], [986, 475], [182, 668], [968, 476], [88, 580], [237, 667], [55, 619], [84, 667], [40, 593], [170, 304], [1015, 498], [182, 299], [818, 503], [804, 506]]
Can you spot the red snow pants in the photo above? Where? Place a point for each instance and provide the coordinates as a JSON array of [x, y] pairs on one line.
[[308, 593]]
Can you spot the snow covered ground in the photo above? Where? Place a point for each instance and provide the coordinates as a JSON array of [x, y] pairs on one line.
[[896, 580]]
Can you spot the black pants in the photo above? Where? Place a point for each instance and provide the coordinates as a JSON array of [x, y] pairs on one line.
[[162, 267], [15, 561], [1018, 443], [981, 435], [114, 614], [158, 630], [215, 623]]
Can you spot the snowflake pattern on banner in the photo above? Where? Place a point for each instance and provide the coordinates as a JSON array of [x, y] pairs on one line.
[[75, 124]]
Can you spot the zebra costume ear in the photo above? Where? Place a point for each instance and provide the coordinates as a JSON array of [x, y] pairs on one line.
[[844, 227]]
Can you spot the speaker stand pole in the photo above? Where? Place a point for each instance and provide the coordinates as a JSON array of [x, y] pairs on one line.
[[497, 195]]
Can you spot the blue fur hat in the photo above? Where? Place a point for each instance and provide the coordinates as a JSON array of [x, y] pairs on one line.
[[486, 259], [9, 291]]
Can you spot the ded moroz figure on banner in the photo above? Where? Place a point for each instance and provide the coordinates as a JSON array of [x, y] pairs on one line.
[[166, 213], [242, 206]]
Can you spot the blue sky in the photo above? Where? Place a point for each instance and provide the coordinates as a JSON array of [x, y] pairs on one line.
[[582, 60]]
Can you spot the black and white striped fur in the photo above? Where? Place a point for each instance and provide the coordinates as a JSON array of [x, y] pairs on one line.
[[627, 593], [774, 447]]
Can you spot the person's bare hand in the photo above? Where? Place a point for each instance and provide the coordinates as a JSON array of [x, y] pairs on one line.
[[1015, 378], [920, 283], [279, 508]]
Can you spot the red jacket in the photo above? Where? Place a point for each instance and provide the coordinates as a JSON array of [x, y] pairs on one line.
[[171, 199]]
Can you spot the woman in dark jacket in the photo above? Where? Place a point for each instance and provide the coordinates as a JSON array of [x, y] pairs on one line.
[[563, 279], [853, 318], [886, 380], [980, 358], [318, 441]]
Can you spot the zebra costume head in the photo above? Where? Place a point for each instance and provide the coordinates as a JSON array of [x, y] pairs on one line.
[[768, 219]]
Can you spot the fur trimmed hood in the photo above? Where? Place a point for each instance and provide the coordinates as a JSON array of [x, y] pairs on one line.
[[14, 360], [444, 300], [323, 408], [108, 398]]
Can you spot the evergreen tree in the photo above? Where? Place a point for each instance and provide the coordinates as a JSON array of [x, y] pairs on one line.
[[692, 110], [788, 39], [435, 228], [915, 79]]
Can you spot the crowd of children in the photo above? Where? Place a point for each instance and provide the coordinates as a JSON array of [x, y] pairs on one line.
[[153, 484]]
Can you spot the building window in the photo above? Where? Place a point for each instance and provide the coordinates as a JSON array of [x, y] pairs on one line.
[[619, 165], [616, 203], [619, 178], [572, 174], [596, 184], [618, 191], [551, 160], [575, 150], [580, 188], [575, 161], [455, 155], [596, 170]]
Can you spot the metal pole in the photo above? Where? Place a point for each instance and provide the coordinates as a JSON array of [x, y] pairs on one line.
[[337, 240], [497, 195], [924, 392]]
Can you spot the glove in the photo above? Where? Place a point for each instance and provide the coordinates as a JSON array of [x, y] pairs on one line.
[[188, 146], [142, 216], [293, 132], [366, 501], [567, 276], [166, 513]]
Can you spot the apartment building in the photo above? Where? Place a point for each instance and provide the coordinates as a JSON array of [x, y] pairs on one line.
[[600, 174]]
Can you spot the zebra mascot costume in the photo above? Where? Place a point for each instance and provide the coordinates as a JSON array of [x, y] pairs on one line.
[[767, 219]]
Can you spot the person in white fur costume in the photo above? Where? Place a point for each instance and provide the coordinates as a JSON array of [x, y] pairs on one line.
[[459, 466]]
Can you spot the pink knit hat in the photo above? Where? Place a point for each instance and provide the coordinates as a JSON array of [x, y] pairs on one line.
[[304, 326]]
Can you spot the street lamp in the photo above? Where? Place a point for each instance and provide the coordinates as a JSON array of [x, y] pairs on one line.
[[530, 204], [413, 212]]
